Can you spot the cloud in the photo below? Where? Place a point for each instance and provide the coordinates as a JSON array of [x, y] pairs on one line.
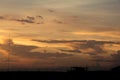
[[71, 51], [57, 41], [90, 47], [21, 52], [102, 59], [41, 17], [27, 19], [75, 41], [94, 47], [116, 57], [58, 21], [50, 10], [31, 18], [26, 51], [1, 17], [113, 59]]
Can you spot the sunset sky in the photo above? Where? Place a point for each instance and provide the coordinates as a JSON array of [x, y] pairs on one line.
[[59, 33]]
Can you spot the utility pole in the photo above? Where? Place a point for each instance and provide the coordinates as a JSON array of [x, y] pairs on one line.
[[9, 52]]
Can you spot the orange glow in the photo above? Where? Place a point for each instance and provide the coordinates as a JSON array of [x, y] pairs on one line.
[[111, 34], [5, 53]]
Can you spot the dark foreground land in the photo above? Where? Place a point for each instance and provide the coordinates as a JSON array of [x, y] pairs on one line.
[[44, 75], [75, 73]]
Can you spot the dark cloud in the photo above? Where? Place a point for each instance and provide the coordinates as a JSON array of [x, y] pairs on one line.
[[116, 57], [28, 19], [92, 53], [58, 41], [25, 20], [94, 45], [72, 51], [75, 41], [58, 21], [41, 17], [50, 10], [31, 18], [2, 17], [26, 51], [101, 59], [90, 47]]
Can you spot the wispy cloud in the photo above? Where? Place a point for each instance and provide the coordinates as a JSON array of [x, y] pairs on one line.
[[27, 19], [90, 47], [70, 41]]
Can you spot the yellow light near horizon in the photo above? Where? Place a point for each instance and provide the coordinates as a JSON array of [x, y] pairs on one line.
[[2, 39], [110, 34], [5, 53], [27, 42]]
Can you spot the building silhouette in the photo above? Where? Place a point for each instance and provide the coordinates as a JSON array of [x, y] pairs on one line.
[[78, 69]]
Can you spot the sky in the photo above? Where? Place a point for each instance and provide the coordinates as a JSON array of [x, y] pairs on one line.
[[59, 33]]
